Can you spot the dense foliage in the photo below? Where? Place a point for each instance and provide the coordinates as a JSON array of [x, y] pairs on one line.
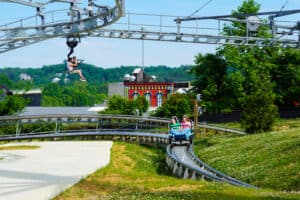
[[73, 93], [119, 105], [76, 94], [176, 105], [96, 75], [247, 78], [12, 104], [212, 81]]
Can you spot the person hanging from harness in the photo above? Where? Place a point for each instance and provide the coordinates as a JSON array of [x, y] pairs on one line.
[[72, 62]]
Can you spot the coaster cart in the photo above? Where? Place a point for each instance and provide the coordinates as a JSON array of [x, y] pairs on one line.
[[184, 136]]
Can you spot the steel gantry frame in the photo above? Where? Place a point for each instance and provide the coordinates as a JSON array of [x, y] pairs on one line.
[[284, 34], [102, 21], [59, 23]]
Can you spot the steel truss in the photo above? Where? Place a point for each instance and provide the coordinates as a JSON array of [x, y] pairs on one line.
[[101, 21], [60, 23]]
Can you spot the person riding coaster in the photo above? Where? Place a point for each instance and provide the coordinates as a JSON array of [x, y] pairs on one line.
[[180, 132]]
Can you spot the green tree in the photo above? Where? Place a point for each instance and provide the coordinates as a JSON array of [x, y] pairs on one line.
[[286, 77], [258, 111], [141, 104], [77, 94], [176, 105], [119, 105], [12, 104], [211, 80], [253, 66], [5, 80]]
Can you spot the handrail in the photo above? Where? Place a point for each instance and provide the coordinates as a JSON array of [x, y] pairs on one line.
[[217, 128], [85, 116]]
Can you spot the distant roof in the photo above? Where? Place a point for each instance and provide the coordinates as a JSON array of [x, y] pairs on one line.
[[33, 91], [181, 91], [58, 111], [136, 70]]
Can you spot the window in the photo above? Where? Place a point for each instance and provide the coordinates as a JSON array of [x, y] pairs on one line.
[[148, 97], [135, 95], [159, 99]]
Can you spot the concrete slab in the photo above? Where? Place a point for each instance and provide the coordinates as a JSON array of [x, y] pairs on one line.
[[44, 173]]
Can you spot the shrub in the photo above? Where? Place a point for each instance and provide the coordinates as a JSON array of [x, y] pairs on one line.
[[258, 112]]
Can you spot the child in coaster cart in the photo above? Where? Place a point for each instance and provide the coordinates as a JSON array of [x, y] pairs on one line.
[[186, 122], [174, 125]]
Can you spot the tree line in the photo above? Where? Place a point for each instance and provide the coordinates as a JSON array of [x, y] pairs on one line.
[[95, 75]]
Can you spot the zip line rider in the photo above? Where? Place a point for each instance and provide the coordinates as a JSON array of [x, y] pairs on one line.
[[72, 63]]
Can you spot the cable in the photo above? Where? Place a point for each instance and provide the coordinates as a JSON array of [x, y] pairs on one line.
[[284, 5], [201, 7]]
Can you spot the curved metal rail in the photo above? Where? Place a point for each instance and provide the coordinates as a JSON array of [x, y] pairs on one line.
[[221, 129], [184, 163], [181, 159]]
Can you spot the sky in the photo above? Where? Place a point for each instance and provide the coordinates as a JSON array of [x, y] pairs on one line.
[[116, 52]]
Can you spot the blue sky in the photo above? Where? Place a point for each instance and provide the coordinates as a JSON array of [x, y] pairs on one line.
[[115, 52]]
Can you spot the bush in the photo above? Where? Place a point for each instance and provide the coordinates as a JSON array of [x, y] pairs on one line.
[[12, 104], [258, 112]]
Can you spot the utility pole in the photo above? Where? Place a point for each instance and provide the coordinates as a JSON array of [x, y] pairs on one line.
[[196, 112], [143, 63], [195, 116]]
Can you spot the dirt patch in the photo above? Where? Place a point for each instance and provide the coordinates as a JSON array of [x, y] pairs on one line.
[[181, 188], [120, 160], [21, 147]]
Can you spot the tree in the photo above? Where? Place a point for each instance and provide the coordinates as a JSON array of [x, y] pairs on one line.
[[211, 74], [119, 105], [141, 104], [176, 105], [253, 66], [77, 94], [286, 77], [258, 112], [12, 104], [5, 80]]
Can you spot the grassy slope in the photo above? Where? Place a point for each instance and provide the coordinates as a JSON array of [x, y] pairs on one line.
[[138, 172], [268, 160], [279, 125]]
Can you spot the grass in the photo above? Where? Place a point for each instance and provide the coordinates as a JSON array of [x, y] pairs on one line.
[[21, 147], [279, 125], [267, 160], [139, 172]]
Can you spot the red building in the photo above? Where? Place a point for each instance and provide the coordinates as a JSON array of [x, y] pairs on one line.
[[138, 84]]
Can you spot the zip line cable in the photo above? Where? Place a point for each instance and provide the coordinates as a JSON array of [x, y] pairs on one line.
[[203, 6], [287, 1]]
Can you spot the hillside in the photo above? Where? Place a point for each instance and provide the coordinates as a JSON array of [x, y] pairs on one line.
[[268, 160], [139, 172], [98, 75]]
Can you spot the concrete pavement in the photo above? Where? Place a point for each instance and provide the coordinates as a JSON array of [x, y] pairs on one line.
[[43, 173]]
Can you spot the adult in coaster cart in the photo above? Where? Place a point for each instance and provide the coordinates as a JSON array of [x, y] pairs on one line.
[[180, 132]]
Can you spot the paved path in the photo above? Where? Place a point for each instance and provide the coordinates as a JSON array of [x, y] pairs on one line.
[[43, 173]]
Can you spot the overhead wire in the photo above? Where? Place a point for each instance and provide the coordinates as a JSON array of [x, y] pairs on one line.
[[203, 6], [287, 1]]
